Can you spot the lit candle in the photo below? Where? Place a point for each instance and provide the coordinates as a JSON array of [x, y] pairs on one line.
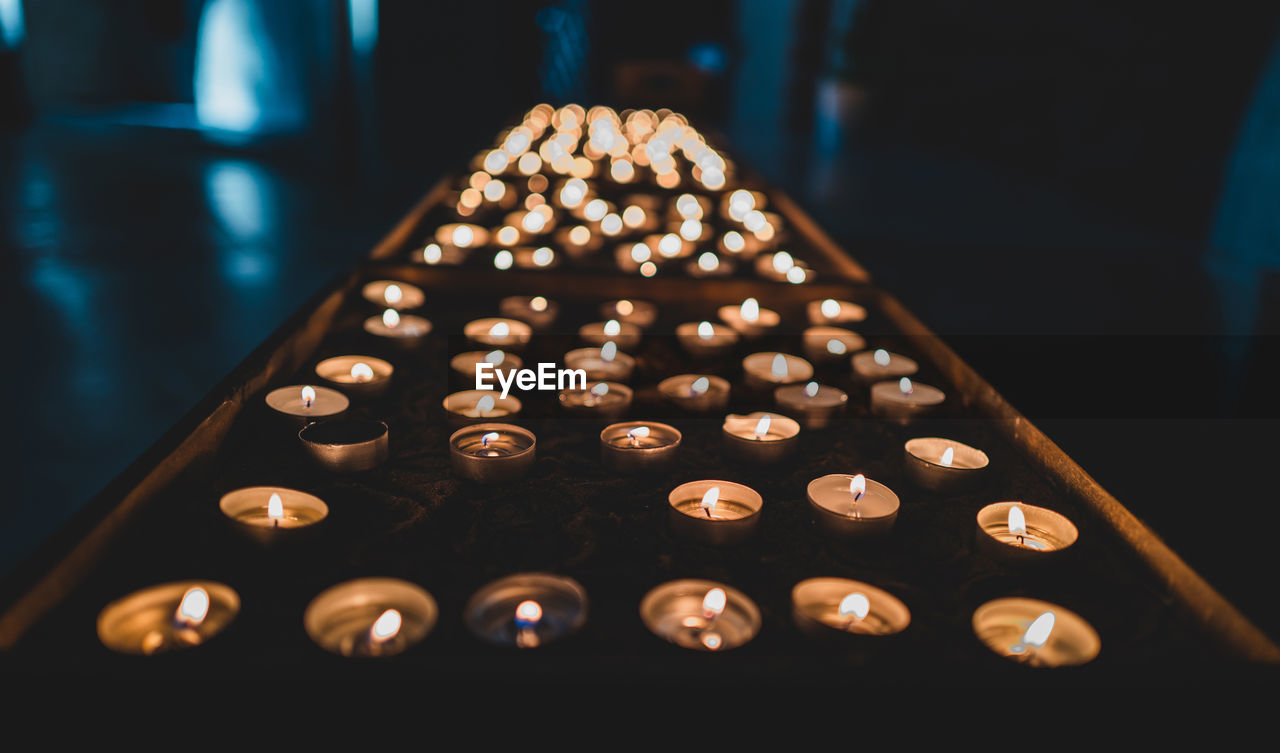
[[696, 392], [749, 318], [814, 405], [492, 453], [943, 465], [833, 607], [640, 313], [720, 513], [301, 404], [541, 257], [403, 328], [768, 369], [527, 610], [903, 400], [370, 617], [626, 335], [706, 339], [707, 264], [1036, 633], [852, 507], [700, 615], [832, 311], [873, 366], [393, 295], [604, 363], [272, 508], [465, 364], [1024, 534], [461, 235], [357, 376], [759, 437], [638, 446], [497, 332], [825, 344], [782, 267], [167, 617], [536, 311], [603, 401], [347, 444], [471, 406]]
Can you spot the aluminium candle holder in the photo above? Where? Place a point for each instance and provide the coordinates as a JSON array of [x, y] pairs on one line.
[[268, 514], [601, 401], [638, 446], [527, 610], [686, 614], [844, 609], [363, 377], [942, 465], [727, 516], [744, 441], [167, 617], [844, 515], [815, 406], [346, 445], [370, 617], [298, 405], [492, 453], [696, 393], [1008, 627], [1047, 536]]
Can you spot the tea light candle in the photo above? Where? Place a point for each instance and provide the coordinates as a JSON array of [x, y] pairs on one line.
[[640, 313], [783, 267], [1019, 533], [167, 617], [1035, 633], [434, 254], [904, 400], [636, 257], [578, 240], [708, 264], [706, 339], [688, 206], [770, 369], [542, 257], [702, 615], [637, 446], [403, 328], [605, 401], [830, 343], [346, 445], [759, 437], [604, 363], [390, 294], [700, 393], [827, 607], [471, 406], [303, 403], [815, 405], [462, 235], [273, 508], [464, 364], [943, 465], [720, 513], [536, 311], [749, 318], [627, 336], [358, 376], [527, 610], [498, 332], [669, 246], [370, 617], [853, 507], [873, 366], [736, 205], [492, 453], [832, 311]]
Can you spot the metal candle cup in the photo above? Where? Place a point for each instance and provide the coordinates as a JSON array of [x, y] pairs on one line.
[[718, 340], [262, 510], [640, 313], [462, 235], [743, 441], [464, 364], [1003, 625], [813, 411], [300, 404], [760, 371], [392, 294], [536, 311], [498, 332], [357, 376], [638, 446], [589, 403], [866, 369], [677, 612], [627, 336], [500, 612], [764, 322], [889, 401], [492, 453], [822, 608], [349, 619], [731, 518], [464, 408], [405, 330], [681, 391], [831, 311], [346, 445], [928, 465], [598, 368], [828, 344], [870, 515], [158, 619], [1047, 537]]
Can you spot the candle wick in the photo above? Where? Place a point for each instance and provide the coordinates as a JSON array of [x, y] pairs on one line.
[[275, 522], [1021, 541]]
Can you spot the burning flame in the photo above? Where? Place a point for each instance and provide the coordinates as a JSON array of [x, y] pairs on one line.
[[503, 259], [706, 331], [638, 433], [308, 396], [881, 357], [796, 275], [709, 500], [858, 486], [762, 426], [538, 303], [700, 385], [1038, 631], [488, 437], [580, 235], [624, 307], [750, 309], [713, 603], [855, 605], [390, 318], [543, 256], [708, 262], [386, 627], [600, 389], [463, 236], [669, 245], [392, 294], [612, 328], [275, 507], [948, 457], [528, 613], [501, 329], [193, 608], [1017, 521], [432, 253], [495, 357], [811, 389], [836, 347], [779, 367], [484, 404], [639, 253], [361, 371], [608, 351], [782, 261], [904, 385], [830, 308], [733, 241]]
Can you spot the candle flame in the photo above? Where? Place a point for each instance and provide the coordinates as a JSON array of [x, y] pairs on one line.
[[463, 236], [779, 366], [750, 309], [709, 499], [386, 627], [762, 426], [782, 261], [713, 603], [639, 253], [488, 437], [543, 256], [528, 613], [688, 207], [690, 230], [501, 329], [612, 328], [856, 605], [432, 253], [811, 389], [706, 331], [700, 385], [495, 357], [308, 396], [485, 404], [625, 307], [1017, 521], [275, 507], [538, 303], [669, 245], [390, 318], [392, 294], [948, 457], [638, 433], [194, 607], [608, 351], [830, 308], [904, 385], [600, 389], [858, 486], [361, 371], [836, 347], [708, 262], [881, 357], [1038, 631], [503, 259]]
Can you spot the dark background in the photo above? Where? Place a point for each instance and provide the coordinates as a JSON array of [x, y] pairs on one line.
[[1080, 196]]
